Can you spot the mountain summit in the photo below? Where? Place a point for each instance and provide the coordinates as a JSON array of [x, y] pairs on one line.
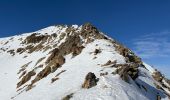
[[75, 63]]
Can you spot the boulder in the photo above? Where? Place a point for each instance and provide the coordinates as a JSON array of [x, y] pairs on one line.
[[90, 80]]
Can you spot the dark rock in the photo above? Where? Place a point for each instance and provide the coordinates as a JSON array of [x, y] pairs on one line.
[[103, 74], [12, 52], [20, 50], [97, 51], [90, 80], [110, 63]]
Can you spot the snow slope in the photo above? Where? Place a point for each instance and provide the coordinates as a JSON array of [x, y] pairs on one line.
[[73, 71]]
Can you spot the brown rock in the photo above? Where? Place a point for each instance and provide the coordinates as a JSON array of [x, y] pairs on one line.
[[127, 70], [90, 80], [157, 76], [26, 78], [35, 39], [68, 97], [110, 63]]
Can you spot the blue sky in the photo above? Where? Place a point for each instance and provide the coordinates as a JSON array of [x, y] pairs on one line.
[[142, 25]]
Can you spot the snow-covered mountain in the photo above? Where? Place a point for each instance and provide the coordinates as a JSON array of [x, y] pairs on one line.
[[75, 63]]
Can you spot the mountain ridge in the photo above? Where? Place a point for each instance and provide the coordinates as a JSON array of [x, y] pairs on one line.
[[50, 57]]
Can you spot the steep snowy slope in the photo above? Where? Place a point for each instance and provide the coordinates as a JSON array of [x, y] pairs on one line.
[[75, 63]]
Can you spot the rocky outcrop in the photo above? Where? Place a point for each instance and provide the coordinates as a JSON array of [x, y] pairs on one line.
[[110, 63], [20, 50], [73, 44], [127, 70], [12, 52], [90, 80], [68, 97], [89, 32], [26, 78], [157, 76], [56, 77], [34, 38], [97, 51], [130, 56]]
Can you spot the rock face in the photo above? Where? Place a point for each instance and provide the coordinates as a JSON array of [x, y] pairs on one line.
[[88, 31], [26, 78], [35, 39], [127, 70], [90, 80]]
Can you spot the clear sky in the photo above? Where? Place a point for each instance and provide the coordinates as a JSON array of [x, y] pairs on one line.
[[142, 25]]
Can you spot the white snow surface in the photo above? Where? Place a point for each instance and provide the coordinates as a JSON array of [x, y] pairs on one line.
[[109, 87]]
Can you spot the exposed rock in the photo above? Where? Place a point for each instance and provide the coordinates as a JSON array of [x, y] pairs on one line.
[[54, 35], [157, 76], [62, 36], [110, 63], [127, 70], [55, 60], [20, 50], [103, 74], [68, 97], [47, 48], [26, 78], [29, 47], [29, 87], [24, 67], [35, 48], [23, 73], [130, 57], [12, 52], [90, 80], [35, 39], [54, 53], [54, 79], [123, 72], [60, 73], [157, 86], [72, 44], [6, 42], [90, 33], [97, 51], [41, 59]]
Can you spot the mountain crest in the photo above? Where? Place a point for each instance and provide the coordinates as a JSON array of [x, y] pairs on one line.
[[75, 62]]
